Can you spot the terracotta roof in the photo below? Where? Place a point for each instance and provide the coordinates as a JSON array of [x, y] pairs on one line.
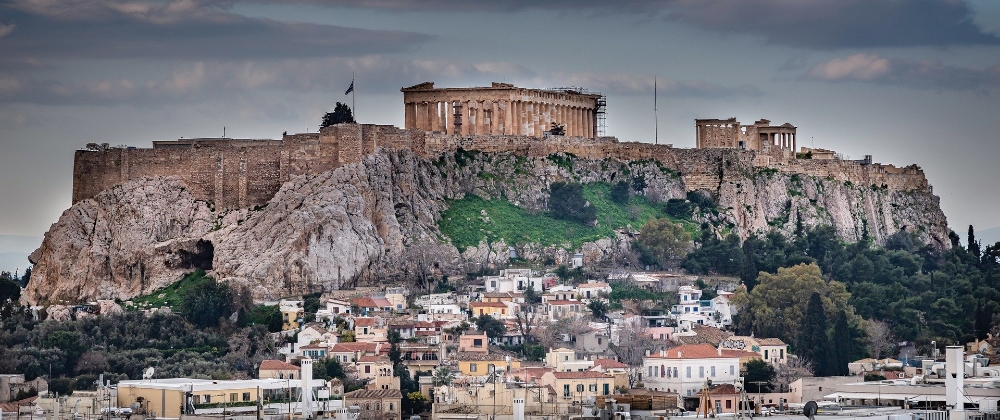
[[364, 322], [702, 351], [724, 389], [424, 324], [770, 342], [496, 295], [592, 286], [354, 347], [474, 333], [277, 365], [372, 359], [609, 364], [12, 406], [362, 394], [580, 375], [313, 346], [364, 302], [426, 333], [487, 305], [382, 302]]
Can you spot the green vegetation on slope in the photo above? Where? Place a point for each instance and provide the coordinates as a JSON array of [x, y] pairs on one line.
[[173, 295], [464, 223]]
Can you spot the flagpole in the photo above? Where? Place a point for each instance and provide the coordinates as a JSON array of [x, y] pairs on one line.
[[353, 92], [656, 119]]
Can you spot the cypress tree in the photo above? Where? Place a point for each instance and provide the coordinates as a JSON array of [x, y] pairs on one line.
[[749, 273], [814, 344], [845, 344], [973, 245]]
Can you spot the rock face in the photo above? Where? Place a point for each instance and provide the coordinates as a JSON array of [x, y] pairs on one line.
[[378, 218], [127, 241]]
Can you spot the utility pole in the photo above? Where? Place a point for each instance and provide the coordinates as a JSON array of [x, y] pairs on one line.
[[656, 119]]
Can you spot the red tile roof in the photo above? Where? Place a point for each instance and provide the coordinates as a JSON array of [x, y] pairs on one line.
[[609, 364], [487, 305], [372, 359], [592, 286], [565, 302], [364, 322], [277, 365], [702, 351], [354, 347]]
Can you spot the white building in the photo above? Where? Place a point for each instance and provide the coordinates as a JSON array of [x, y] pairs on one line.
[[686, 369], [691, 309], [514, 280]]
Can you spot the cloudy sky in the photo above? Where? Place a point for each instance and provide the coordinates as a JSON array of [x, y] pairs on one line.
[[905, 81]]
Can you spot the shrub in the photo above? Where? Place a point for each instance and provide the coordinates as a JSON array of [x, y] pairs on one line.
[[566, 202], [679, 208]]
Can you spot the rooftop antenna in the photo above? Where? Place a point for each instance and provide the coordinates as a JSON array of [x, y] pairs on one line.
[[656, 119], [223, 131]]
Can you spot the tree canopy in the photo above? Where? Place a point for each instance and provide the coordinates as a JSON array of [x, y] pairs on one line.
[[566, 202], [666, 242], [341, 114]]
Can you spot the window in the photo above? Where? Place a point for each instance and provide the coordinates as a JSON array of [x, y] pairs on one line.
[[675, 373], [592, 388], [195, 399], [208, 399], [765, 354], [566, 390], [579, 387], [729, 404], [688, 371], [472, 367], [782, 354], [234, 397], [713, 371], [291, 376], [701, 371], [661, 371], [732, 369], [390, 407], [598, 341], [821, 389], [478, 342], [281, 376], [650, 371], [607, 389], [368, 369], [246, 396]]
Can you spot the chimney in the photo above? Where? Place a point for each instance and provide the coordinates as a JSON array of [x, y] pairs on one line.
[[720, 349], [680, 354]]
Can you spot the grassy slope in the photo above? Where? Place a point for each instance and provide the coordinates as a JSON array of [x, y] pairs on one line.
[[173, 294], [466, 226]]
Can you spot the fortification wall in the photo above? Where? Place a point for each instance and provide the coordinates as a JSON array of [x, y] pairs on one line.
[[239, 174]]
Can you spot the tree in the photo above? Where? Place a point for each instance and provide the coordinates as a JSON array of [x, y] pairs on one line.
[[9, 290], [598, 308], [759, 376], [748, 276], [422, 260], [814, 344], [566, 202], [493, 328], [790, 371], [557, 129], [417, 401], [880, 341], [619, 192], [532, 297], [207, 302], [633, 343], [341, 115], [973, 244], [443, 376], [778, 303], [845, 342], [665, 241]]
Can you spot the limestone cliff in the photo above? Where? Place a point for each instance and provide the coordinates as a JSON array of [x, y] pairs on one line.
[[360, 222]]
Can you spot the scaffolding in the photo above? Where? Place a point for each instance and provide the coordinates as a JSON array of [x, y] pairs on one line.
[[600, 113]]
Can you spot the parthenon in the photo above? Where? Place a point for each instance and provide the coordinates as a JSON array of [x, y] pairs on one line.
[[499, 109], [761, 136]]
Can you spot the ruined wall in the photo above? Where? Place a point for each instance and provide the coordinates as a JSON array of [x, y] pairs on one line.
[[240, 174]]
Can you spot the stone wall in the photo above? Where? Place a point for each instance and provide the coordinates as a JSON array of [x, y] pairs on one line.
[[235, 174]]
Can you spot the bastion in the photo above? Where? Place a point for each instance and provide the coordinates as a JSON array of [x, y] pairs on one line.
[[241, 173]]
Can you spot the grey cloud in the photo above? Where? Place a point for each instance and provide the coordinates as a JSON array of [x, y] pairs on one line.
[[209, 79], [6, 30], [627, 84], [920, 74], [186, 29], [821, 24]]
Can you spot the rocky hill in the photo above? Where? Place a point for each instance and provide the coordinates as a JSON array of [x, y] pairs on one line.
[[381, 217]]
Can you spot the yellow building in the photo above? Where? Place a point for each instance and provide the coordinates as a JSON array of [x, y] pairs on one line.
[[291, 314], [498, 310], [576, 386], [165, 397], [479, 364]]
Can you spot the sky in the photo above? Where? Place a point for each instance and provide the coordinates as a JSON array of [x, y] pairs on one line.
[[906, 81]]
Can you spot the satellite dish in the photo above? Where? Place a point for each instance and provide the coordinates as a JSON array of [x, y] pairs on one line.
[[148, 374], [810, 409]]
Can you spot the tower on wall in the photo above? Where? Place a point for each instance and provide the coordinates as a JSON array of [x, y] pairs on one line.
[[501, 109]]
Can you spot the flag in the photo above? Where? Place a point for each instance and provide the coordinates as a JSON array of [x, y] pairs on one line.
[[350, 89]]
